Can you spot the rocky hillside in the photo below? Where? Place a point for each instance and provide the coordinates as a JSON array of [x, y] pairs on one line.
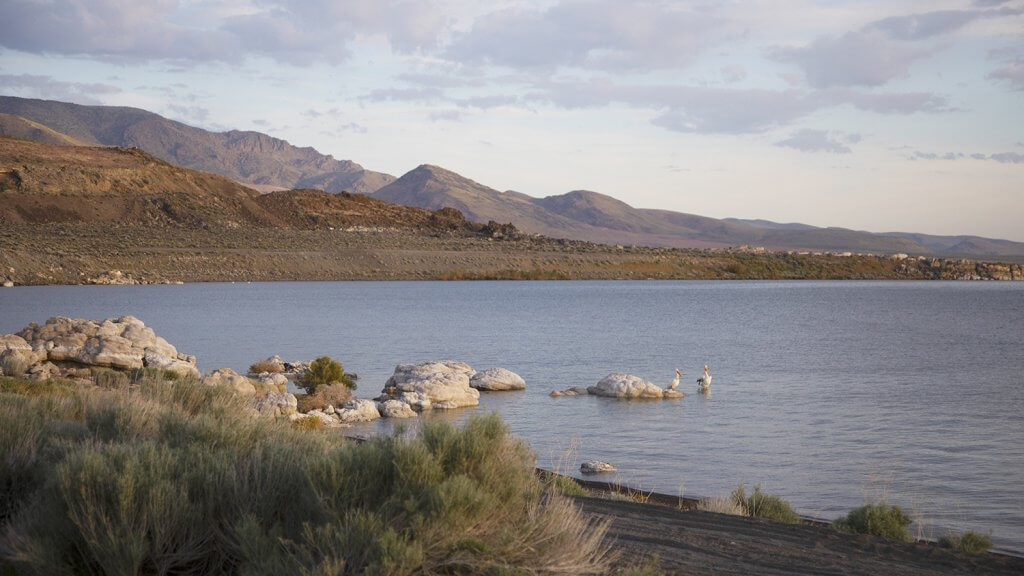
[[42, 184], [249, 157], [12, 126]]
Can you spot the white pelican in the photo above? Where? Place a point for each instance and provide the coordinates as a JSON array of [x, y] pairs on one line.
[[675, 381], [704, 384]]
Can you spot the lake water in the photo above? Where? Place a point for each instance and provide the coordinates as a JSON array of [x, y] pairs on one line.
[[825, 393]]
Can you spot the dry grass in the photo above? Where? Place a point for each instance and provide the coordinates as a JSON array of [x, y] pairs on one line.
[[265, 366], [721, 505], [329, 395], [13, 365]]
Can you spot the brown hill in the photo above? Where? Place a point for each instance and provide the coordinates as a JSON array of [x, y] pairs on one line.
[[42, 184], [248, 157], [586, 215], [12, 126]]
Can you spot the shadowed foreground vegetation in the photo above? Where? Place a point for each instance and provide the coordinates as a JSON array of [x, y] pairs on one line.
[[176, 478]]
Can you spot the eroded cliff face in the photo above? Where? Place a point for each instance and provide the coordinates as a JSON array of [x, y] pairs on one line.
[[942, 269]]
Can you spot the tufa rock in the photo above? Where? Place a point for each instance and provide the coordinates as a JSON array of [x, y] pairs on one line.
[[433, 385], [395, 409], [358, 411], [229, 378], [596, 467], [276, 404], [123, 343], [619, 385], [497, 379]]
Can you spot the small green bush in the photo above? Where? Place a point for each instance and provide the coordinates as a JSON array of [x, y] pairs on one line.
[[565, 485], [323, 371], [879, 519], [971, 542], [761, 505]]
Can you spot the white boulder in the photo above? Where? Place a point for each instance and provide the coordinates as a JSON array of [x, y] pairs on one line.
[[358, 411], [619, 385], [395, 409], [497, 379], [596, 467], [276, 404], [226, 377], [440, 385]]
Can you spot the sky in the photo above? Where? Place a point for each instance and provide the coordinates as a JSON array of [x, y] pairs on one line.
[[879, 115]]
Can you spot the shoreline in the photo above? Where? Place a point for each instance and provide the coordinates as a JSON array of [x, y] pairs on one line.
[[68, 254]]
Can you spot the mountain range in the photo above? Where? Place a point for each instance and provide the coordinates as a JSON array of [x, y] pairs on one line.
[[266, 163], [253, 158]]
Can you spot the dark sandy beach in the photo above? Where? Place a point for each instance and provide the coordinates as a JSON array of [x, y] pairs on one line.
[[694, 542]]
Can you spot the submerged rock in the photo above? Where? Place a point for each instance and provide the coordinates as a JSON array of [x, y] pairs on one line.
[[574, 391], [497, 379], [596, 467], [619, 385]]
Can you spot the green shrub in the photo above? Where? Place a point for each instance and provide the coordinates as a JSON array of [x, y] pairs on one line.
[[761, 505], [565, 485], [177, 478], [324, 371], [879, 519], [971, 542]]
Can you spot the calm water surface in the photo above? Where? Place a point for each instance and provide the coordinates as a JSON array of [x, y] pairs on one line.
[[824, 393]]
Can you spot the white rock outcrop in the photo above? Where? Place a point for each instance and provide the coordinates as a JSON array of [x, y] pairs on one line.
[[120, 343], [619, 385], [497, 379], [357, 411], [226, 377], [395, 409], [276, 404], [432, 385], [596, 467]]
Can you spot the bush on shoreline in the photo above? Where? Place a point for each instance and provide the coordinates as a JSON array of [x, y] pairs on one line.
[[163, 477], [761, 505], [878, 519], [324, 371], [970, 542]]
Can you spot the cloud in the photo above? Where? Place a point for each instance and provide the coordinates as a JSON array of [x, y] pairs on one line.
[[702, 109], [858, 58], [1010, 73], [1001, 157], [880, 51], [293, 31], [808, 140], [36, 86], [188, 114], [1007, 157], [733, 73], [589, 34]]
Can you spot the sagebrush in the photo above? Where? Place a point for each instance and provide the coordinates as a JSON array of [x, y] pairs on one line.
[[178, 478]]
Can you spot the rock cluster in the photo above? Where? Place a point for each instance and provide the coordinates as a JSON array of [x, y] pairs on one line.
[[268, 392], [619, 385], [442, 385], [351, 412], [65, 346]]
